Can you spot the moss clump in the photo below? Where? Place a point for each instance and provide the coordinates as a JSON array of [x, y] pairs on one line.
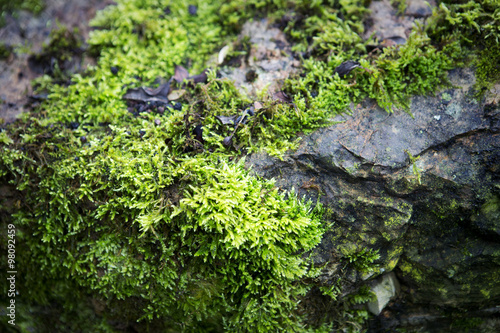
[[5, 51], [8, 7], [59, 54], [488, 66], [130, 207], [390, 76], [195, 240], [148, 203], [476, 26]]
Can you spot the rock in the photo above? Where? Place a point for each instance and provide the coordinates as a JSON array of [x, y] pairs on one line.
[[385, 288], [419, 8], [33, 31], [422, 191], [266, 59], [387, 22]]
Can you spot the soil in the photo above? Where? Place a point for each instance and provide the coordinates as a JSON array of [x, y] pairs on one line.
[[25, 34]]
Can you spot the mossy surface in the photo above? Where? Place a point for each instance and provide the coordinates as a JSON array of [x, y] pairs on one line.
[[139, 207], [8, 7]]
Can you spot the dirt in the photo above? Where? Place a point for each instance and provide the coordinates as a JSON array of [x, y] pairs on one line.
[[25, 34]]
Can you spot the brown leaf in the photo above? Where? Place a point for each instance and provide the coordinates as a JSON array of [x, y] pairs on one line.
[[162, 90], [282, 96], [176, 94], [200, 78], [257, 105], [148, 95], [180, 73]]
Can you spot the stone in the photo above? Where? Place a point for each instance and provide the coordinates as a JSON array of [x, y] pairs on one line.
[[421, 188], [419, 8], [267, 59], [384, 289]]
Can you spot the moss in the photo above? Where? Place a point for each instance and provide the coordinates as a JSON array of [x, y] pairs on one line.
[[131, 207], [361, 258], [488, 66], [9, 7], [411, 271], [64, 48], [5, 51], [476, 25]]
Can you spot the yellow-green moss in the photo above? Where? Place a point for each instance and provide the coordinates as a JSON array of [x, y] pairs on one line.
[[130, 207]]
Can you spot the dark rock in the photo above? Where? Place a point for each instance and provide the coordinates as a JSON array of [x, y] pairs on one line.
[[434, 218], [346, 67]]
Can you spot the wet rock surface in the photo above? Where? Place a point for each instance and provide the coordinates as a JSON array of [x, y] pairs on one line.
[[421, 190]]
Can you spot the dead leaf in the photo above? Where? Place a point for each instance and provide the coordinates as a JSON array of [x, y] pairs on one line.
[[145, 94], [176, 94], [225, 120], [282, 96], [180, 74], [200, 78], [162, 90], [257, 105], [346, 67]]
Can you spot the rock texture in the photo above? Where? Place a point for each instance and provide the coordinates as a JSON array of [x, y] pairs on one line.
[[268, 62], [384, 289], [421, 188], [26, 34]]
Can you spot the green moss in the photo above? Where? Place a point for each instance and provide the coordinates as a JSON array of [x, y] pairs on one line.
[[476, 25], [413, 272], [488, 66], [34, 6], [131, 208], [128, 208], [5, 51], [390, 78], [362, 259], [10, 7]]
